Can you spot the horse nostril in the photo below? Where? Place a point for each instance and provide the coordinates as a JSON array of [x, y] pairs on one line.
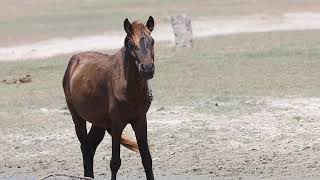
[[143, 68], [150, 67], [147, 67]]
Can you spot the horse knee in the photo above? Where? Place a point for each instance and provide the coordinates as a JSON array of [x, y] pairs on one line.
[[115, 164]]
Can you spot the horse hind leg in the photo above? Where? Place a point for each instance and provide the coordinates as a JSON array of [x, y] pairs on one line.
[[81, 131], [89, 142], [95, 136]]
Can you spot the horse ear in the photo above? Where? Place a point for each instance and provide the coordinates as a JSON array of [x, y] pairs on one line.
[[150, 23], [127, 26]]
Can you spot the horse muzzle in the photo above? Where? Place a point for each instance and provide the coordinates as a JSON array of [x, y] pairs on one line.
[[147, 71]]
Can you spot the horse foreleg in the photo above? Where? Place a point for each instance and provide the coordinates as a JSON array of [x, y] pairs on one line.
[[140, 129], [115, 162]]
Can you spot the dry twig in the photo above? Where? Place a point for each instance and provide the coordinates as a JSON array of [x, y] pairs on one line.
[[65, 175]]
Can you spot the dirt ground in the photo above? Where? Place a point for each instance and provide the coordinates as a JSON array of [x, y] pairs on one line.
[[264, 137]]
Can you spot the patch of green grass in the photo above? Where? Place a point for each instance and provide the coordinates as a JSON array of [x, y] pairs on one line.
[[45, 90], [248, 65], [225, 70]]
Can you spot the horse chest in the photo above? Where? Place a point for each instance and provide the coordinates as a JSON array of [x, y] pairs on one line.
[[130, 110]]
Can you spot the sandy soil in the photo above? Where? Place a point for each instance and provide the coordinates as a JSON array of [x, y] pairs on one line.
[[262, 137], [205, 27]]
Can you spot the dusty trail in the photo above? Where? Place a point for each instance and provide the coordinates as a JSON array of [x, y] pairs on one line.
[[201, 28]]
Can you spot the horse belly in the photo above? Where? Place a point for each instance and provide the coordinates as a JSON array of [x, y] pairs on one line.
[[91, 104], [94, 111]]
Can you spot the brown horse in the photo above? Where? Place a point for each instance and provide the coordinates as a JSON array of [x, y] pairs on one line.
[[111, 91]]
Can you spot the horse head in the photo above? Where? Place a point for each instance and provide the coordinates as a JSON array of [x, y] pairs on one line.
[[140, 46]]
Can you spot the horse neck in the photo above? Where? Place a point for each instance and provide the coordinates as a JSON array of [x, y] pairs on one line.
[[134, 84]]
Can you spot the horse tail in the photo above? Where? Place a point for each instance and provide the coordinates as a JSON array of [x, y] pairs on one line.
[[126, 142]]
